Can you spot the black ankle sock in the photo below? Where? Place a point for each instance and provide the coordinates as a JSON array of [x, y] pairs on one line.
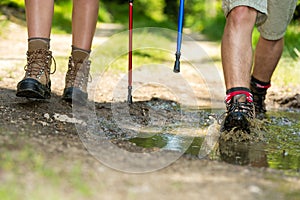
[[235, 89], [260, 84], [230, 93]]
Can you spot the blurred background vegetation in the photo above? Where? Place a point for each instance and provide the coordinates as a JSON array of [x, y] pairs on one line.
[[203, 16]]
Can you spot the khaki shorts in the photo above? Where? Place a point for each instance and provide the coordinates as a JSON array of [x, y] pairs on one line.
[[273, 15]]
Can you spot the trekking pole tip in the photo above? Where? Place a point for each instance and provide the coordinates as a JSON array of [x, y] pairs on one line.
[[176, 66], [177, 63], [129, 97]]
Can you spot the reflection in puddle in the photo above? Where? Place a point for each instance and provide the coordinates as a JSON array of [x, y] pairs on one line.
[[169, 142], [280, 150], [243, 154]]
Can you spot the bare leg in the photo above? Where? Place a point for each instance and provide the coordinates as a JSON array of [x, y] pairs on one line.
[[267, 56], [84, 19], [39, 17], [236, 47], [36, 82]]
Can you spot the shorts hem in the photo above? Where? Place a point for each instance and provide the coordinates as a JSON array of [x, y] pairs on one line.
[[270, 36], [261, 9]]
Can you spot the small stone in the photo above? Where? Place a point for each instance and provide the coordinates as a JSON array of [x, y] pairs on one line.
[[47, 116], [254, 189]]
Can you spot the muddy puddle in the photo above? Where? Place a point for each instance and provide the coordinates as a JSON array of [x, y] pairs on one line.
[[165, 126], [280, 148]]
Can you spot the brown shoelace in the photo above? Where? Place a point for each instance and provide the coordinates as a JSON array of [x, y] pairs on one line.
[[38, 62]]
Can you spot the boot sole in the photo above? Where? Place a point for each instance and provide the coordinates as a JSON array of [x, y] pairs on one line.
[[31, 88], [236, 120], [75, 95]]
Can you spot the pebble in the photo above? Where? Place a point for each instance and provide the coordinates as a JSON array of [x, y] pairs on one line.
[[254, 189], [47, 116]]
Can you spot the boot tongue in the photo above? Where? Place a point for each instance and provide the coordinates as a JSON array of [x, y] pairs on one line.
[[240, 98], [79, 54], [38, 44]]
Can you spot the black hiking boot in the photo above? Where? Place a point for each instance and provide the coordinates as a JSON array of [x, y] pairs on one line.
[[239, 112], [36, 82], [259, 92]]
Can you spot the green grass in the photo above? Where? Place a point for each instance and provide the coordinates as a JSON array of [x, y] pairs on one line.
[[62, 18], [150, 47], [26, 173], [214, 29], [111, 12], [13, 3], [142, 16], [292, 40]]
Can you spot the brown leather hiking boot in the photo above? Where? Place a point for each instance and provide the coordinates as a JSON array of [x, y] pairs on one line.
[[76, 80], [36, 82]]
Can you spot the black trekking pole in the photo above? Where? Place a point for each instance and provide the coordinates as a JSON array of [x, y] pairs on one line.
[[179, 36], [129, 98]]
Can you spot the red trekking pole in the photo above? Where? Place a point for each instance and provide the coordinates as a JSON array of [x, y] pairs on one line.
[[129, 98]]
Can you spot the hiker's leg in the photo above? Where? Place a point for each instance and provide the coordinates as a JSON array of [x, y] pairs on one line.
[[39, 17], [269, 49], [270, 44], [267, 55], [236, 54], [236, 47], [36, 82], [84, 19]]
